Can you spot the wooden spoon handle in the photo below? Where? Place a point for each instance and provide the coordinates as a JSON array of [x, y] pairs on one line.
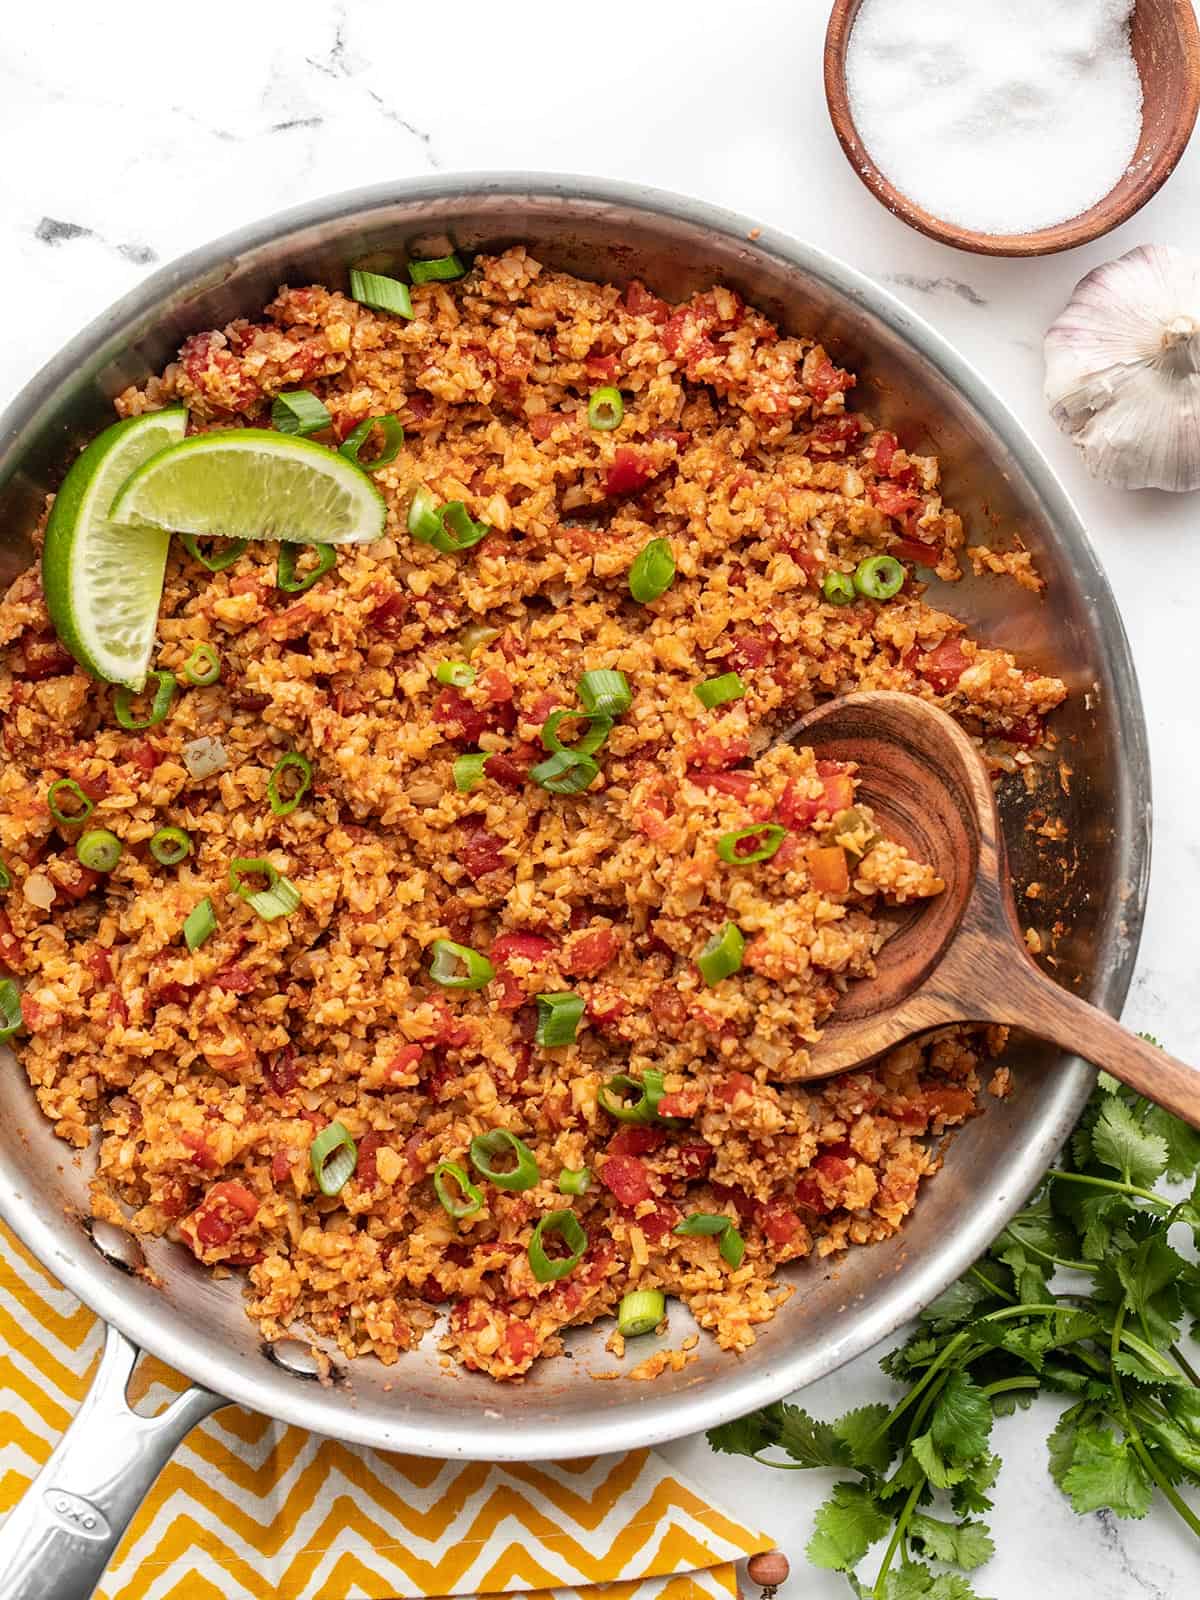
[[1036, 1003]]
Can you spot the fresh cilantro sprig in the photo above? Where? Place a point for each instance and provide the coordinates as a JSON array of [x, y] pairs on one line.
[[1084, 1295]]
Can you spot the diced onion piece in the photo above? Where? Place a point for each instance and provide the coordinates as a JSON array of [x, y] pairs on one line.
[[204, 756]]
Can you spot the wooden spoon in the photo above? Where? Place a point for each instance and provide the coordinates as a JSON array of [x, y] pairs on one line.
[[960, 956]]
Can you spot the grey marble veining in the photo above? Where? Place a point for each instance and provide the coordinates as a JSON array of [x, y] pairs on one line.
[[134, 133]]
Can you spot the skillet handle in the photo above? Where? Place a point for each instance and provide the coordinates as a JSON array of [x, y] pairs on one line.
[[59, 1537]]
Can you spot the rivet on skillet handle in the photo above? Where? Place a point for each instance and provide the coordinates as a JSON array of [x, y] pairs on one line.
[[61, 1534]]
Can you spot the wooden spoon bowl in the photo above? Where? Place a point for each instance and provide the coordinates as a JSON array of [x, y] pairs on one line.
[[960, 956], [1166, 48]]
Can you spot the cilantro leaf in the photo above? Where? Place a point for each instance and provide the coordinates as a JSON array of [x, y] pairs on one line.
[[1105, 1473], [1183, 1449], [811, 1443], [969, 1498], [746, 1436], [963, 1300], [962, 1419], [964, 1544], [858, 1430], [1150, 1276], [915, 1582], [847, 1525], [1182, 1142], [1120, 1140]]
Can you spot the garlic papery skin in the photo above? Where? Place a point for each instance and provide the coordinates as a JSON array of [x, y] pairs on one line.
[[1123, 370]]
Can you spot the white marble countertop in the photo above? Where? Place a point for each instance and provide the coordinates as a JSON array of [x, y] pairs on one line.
[[132, 134]]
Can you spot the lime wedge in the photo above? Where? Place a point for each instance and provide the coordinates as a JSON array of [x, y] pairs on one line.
[[252, 483], [103, 581]]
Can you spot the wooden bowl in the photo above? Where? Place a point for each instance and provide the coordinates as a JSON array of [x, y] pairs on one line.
[[1166, 47]]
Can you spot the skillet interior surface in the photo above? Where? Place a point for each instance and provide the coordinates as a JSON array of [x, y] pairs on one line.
[[1094, 884]]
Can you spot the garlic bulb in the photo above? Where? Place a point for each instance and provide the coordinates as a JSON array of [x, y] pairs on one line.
[[1123, 370]]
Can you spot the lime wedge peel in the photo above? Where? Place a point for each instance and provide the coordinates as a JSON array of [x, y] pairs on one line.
[[103, 580], [254, 483]]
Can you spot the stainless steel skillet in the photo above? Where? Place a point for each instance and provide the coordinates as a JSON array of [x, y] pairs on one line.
[[57, 1542]]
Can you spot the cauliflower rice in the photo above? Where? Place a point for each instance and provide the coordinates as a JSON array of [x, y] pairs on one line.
[[207, 1075]]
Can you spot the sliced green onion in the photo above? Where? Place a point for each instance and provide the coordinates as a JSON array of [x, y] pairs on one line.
[[648, 1090], [380, 293], [599, 727], [98, 850], [448, 528], [438, 269], [202, 667], [559, 1016], [230, 550], [605, 409], [640, 1311], [838, 588], [456, 673], [10, 1010], [5, 879], [605, 692], [299, 411], [732, 1246], [334, 1156], [709, 1224], [283, 805], [475, 636], [652, 572], [286, 577], [570, 1182], [83, 804], [201, 924], [722, 955], [393, 441], [469, 1199], [715, 692], [565, 772], [468, 771], [567, 1225], [449, 957], [164, 693], [879, 577], [170, 846], [701, 1224], [279, 899], [771, 835], [523, 1174]]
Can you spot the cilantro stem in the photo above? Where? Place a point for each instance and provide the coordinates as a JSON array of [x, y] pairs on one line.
[[1059, 1261], [898, 1533], [992, 1288], [1003, 1385], [1136, 1442], [1185, 1365], [1106, 1183]]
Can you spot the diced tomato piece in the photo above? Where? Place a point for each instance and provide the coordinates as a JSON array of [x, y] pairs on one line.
[[668, 1006], [419, 406], [800, 811], [592, 952], [735, 1084], [99, 964], [628, 472], [438, 1081], [403, 1062], [694, 1158], [744, 1204], [636, 1139], [684, 1103], [737, 784], [33, 1015], [39, 655], [894, 501], [885, 447], [821, 378], [387, 618], [626, 1179], [943, 666], [639, 302], [463, 721], [810, 1195], [658, 1223], [281, 1165], [679, 437], [144, 756], [531, 946], [281, 1071], [366, 1172], [747, 651], [481, 852], [833, 1167], [829, 870], [520, 1341], [10, 946], [711, 754], [235, 979], [1025, 731], [118, 1011], [835, 433], [926, 555], [602, 368], [226, 1210], [77, 882], [606, 1006], [496, 685], [778, 1221], [542, 426], [507, 771]]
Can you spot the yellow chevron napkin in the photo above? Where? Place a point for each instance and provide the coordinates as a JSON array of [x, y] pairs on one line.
[[250, 1508]]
